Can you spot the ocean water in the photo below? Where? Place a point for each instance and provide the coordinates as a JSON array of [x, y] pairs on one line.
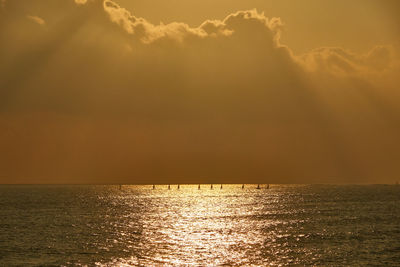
[[322, 225]]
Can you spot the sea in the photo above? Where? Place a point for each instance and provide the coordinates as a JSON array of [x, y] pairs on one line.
[[136, 225]]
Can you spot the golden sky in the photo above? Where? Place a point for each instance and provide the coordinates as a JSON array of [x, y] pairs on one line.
[[189, 91]]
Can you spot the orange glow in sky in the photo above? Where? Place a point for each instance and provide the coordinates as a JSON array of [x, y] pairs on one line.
[[186, 91]]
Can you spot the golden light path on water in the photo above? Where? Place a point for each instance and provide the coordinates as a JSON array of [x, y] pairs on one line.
[[190, 232], [207, 226]]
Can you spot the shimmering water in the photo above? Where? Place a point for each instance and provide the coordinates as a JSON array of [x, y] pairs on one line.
[[285, 225]]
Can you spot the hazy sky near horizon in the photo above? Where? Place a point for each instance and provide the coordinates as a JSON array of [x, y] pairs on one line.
[[186, 91]]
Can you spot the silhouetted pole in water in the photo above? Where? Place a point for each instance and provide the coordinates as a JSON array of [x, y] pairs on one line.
[[198, 187], [179, 186], [154, 186], [220, 187], [169, 187], [242, 186], [258, 186], [211, 187]]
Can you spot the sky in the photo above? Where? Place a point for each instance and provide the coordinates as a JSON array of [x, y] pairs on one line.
[[185, 91]]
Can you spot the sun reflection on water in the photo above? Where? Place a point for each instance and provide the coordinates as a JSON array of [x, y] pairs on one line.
[[199, 227]]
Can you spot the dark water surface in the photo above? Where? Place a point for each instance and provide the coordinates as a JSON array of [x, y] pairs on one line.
[[285, 225]]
